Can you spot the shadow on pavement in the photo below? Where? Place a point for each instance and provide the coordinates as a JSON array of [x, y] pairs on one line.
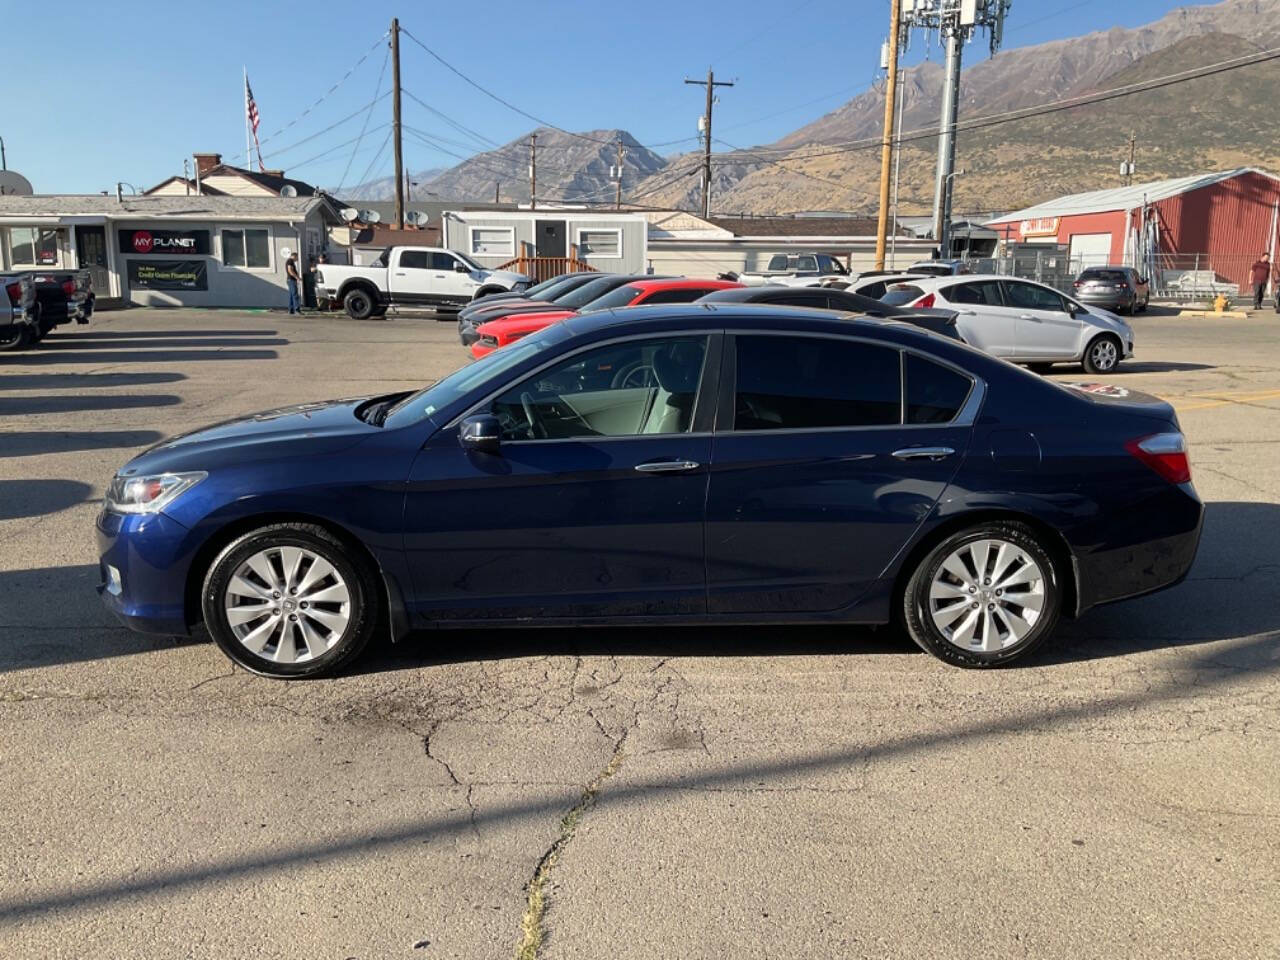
[[86, 381], [1158, 366], [46, 357], [35, 498], [31, 443], [93, 334], [21, 406], [151, 343]]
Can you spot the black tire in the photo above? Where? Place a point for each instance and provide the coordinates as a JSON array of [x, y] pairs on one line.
[[1142, 307], [15, 337], [915, 609], [353, 570], [486, 292], [358, 303], [1094, 354], [1040, 368]]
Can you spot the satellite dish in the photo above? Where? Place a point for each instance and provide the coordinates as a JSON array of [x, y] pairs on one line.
[[370, 216], [349, 214], [284, 252], [288, 190], [14, 184], [417, 217]]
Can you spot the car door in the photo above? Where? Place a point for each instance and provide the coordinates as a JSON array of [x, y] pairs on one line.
[[1045, 328], [593, 505], [411, 278], [983, 318], [452, 285], [816, 484]]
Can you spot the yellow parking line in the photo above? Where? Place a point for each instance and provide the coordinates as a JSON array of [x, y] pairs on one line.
[[1224, 400]]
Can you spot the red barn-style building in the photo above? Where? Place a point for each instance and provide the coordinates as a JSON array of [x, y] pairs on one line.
[[1218, 222]]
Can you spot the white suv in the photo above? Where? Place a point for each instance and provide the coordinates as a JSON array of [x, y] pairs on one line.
[[1022, 321]]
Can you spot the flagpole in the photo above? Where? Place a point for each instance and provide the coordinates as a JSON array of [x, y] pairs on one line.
[[248, 148]]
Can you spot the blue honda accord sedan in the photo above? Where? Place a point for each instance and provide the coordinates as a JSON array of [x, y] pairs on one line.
[[706, 463]]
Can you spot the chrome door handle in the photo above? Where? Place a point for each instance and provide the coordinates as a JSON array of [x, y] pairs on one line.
[[667, 466], [923, 453], [967, 313], [399, 273]]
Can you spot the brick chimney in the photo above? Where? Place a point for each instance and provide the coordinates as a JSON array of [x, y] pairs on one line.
[[274, 173], [206, 162]]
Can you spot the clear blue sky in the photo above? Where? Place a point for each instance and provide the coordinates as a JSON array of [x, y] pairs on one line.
[[134, 87]]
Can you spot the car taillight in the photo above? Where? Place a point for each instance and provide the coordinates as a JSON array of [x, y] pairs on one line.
[[926, 302], [69, 287], [1077, 284], [14, 290], [1165, 453], [1124, 286]]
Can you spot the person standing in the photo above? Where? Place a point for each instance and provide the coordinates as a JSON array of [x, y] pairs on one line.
[[294, 280], [1259, 276]]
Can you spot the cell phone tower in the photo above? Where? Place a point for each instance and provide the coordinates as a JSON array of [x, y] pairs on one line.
[[956, 22]]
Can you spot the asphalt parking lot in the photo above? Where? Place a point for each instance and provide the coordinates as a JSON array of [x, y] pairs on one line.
[[771, 792]]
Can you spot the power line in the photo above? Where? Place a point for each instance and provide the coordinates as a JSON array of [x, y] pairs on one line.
[[460, 127], [334, 149], [324, 96], [376, 157], [332, 126], [367, 117]]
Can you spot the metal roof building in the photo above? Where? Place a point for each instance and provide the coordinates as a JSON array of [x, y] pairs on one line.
[[1215, 223]]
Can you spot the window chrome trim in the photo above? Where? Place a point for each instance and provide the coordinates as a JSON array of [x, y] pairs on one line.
[[665, 335]]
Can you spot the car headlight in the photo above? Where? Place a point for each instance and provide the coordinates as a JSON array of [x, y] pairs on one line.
[[149, 494]]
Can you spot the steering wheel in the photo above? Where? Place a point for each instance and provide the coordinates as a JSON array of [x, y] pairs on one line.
[[535, 427], [637, 374]]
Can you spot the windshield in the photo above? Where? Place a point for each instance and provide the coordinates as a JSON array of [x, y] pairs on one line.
[[418, 406], [1111, 276], [467, 260], [901, 294], [621, 297], [589, 291], [546, 289]]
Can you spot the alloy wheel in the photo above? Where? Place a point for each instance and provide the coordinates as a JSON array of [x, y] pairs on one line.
[[287, 604], [987, 596], [1104, 354]]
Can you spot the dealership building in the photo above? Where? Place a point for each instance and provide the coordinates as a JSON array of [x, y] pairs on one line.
[[169, 250]]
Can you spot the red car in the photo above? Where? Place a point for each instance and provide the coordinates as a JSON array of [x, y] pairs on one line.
[[499, 333]]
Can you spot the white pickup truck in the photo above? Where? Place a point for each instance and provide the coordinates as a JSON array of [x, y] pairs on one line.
[[797, 270], [424, 277]]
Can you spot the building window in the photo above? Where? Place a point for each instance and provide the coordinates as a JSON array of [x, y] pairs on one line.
[[249, 248], [600, 243], [33, 246], [493, 241]]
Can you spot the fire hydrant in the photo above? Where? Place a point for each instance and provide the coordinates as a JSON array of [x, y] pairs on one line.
[[1220, 303]]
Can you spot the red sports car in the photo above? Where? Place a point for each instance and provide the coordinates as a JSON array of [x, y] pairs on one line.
[[499, 333]]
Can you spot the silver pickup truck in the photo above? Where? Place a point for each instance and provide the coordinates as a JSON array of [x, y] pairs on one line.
[[797, 270], [19, 311]]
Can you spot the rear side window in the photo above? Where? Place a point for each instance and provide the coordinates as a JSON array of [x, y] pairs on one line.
[[901, 293], [413, 259], [807, 264], [873, 290], [985, 293], [935, 393], [777, 262], [796, 383], [620, 297], [797, 298], [676, 296]]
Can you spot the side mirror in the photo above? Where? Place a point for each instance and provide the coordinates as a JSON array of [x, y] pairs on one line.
[[460, 267], [482, 433]]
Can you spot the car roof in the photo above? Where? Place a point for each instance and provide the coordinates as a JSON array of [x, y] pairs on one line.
[[651, 284], [952, 279]]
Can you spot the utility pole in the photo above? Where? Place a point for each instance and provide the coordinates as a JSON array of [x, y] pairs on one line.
[[533, 171], [4, 164], [497, 189], [890, 109], [711, 83], [617, 203], [1130, 168], [956, 21], [395, 119]]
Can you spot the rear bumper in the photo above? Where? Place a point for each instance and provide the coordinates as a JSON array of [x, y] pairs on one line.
[[1140, 563], [1108, 301]]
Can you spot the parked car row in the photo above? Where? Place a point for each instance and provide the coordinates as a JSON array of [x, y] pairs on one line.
[[37, 301]]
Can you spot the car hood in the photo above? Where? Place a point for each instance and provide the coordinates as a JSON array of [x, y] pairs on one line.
[[523, 321], [510, 278], [307, 428], [1108, 320]]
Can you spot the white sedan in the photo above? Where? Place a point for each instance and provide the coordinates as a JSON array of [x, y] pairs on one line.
[[1022, 321]]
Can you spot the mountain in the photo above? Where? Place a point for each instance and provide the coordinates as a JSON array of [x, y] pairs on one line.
[[1210, 123], [570, 166], [384, 188]]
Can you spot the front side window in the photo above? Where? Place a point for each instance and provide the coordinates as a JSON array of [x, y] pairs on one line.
[[600, 243], [873, 290], [934, 393], [796, 383], [807, 264], [250, 248], [777, 262], [442, 261], [1027, 296], [493, 242], [635, 388]]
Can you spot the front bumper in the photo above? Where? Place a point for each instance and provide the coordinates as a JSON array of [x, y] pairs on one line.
[[479, 348], [143, 568]]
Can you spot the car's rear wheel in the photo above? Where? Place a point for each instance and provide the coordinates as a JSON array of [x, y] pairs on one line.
[[358, 303], [1102, 355], [984, 596], [14, 337], [289, 601]]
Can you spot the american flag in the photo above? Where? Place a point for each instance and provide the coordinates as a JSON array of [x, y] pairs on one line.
[[251, 108]]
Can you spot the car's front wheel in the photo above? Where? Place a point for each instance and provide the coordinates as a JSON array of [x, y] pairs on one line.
[[289, 601], [14, 337], [1102, 355], [984, 596]]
